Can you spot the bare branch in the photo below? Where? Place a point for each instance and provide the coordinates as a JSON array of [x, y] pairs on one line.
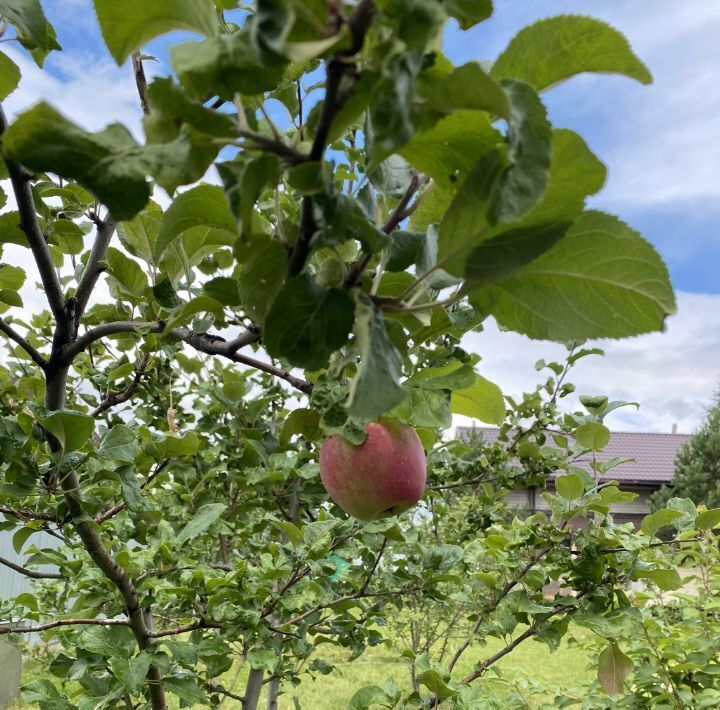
[[93, 268], [28, 514], [105, 330], [401, 212], [31, 572], [528, 633], [24, 344], [29, 224], [113, 400], [202, 624], [215, 345], [140, 81], [378, 557], [335, 98], [509, 586], [111, 512], [16, 629]]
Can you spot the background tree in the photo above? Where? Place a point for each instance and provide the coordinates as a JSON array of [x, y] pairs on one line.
[[697, 465]]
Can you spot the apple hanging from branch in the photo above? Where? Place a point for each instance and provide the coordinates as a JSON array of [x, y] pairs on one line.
[[385, 475]]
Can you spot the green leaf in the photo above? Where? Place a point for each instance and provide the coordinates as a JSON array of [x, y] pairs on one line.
[[130, 488], [569, 486], [21, 537], [71, 429], [128, 273], [9, 76], [368, 696], [666, 579], [245, 181], [30, 24], [453, 376], [187, 689], [449, 151], [483, 401], [118, 444], [132, 672], [202, 206], [308, 178], [503, 255], [169, 105], [523, 183], [602, 280], [300, 421], [613, 667], [659, 519], [593, 436], [139, 234], [205, 516], [199, 304], [264, 658], [11, 277], [129, 25], [465, 223], [307, 323], [424, 408], [708, 519], [261, 276], [376, 386], [552, 50], [465, 87], [224, 65], [224, 290], [109, 163], [469, 12]]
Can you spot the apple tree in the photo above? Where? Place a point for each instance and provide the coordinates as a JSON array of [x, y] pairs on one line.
[[321, 207]]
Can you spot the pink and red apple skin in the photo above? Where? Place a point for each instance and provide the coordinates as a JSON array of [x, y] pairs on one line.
[[385, 475]]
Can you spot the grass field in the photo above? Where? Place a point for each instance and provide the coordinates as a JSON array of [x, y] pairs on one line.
[[568, 667]]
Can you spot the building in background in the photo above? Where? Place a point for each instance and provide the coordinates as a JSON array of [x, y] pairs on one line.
[[652, 466]]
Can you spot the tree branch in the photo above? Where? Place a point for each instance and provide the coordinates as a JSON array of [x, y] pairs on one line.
[[15, 629], [30, 572], [185, 629], [105, 330], [24, 344], [336, 69], [111, 512], [113, 400], [29, 224], [140, 81], [401, 212], [215, 345], [509, 586], [93, 269], [28, 514]]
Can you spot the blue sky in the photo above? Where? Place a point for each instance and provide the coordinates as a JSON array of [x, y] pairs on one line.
[[659, 142]]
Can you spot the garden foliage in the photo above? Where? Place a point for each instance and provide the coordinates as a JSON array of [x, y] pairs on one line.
[[161, 418]]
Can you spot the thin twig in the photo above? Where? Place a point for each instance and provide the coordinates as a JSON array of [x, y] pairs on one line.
[[140, 81], [93, 268], [31, 572], [15, 629], [119, 398], [24, 344]]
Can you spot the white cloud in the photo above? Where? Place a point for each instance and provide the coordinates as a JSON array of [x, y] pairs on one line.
[[672, 375], [90, 90]]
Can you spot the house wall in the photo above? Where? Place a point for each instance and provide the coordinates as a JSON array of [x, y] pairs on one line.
[[529, 499]]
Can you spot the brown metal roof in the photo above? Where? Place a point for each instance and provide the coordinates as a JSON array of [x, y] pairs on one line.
[[654, 454]]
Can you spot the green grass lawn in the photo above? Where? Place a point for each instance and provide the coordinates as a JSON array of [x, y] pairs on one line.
[[568, 667]]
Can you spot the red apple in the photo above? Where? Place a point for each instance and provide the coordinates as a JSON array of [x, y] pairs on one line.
[[385, 475]]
